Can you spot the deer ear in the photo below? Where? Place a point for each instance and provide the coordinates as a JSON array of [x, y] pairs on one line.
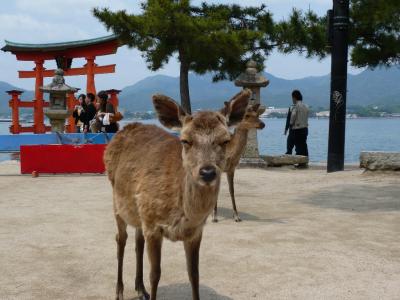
[[235, 109], [256, 107], [261, 110], [225, 109], [169, 113]]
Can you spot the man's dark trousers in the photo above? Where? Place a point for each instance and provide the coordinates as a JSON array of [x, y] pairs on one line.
[[300, 141], [290, 142]]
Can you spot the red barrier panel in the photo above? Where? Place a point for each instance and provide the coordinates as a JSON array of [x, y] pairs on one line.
[[62, 159]]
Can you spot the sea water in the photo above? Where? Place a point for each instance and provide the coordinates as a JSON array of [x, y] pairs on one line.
[[379, 134]]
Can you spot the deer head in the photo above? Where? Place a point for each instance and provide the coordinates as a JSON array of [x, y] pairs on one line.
[[204, 135], [251, 118]]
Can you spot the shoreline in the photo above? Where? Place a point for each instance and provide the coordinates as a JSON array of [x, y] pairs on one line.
[[314, 165], [271, 140], [262, 117]]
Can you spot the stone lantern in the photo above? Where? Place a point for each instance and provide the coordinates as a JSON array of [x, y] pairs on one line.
[[57, 111], [252, 80]]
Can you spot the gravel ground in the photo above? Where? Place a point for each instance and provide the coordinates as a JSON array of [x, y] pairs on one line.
[[305, 234]]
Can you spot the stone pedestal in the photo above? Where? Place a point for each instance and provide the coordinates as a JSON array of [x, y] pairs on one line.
[[251, 156], [57, 118], [252, 80]]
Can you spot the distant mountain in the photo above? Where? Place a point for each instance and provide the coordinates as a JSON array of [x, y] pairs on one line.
[[4, 97], [380, 86]]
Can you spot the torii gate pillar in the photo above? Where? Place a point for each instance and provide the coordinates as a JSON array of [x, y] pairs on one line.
[[90, 85], [38, 115]]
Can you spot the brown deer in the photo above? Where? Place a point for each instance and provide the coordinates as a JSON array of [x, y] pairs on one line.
[[236, 147], [166, 186]]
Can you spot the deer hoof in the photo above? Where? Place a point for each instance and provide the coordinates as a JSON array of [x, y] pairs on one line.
[[120, 296], [143, 297], [120, 292], [142, 294], [214, 220], [237, 219]]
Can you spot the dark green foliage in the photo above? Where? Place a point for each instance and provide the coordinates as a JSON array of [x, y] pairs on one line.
[[375, 32], [304, 33], [374, 35], [205, 38]]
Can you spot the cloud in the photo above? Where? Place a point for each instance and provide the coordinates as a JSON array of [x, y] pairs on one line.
[[25, 28], [68, 8], [43, 21]]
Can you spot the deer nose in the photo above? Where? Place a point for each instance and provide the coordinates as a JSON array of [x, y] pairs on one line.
[[262, 125], [208, 173]]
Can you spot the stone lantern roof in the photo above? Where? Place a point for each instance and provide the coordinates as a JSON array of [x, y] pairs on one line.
[[58, 85], [251, 77]]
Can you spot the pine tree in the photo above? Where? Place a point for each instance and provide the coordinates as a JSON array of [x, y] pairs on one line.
[[375, 32], [205, 38], [374, 35], [305, 33]]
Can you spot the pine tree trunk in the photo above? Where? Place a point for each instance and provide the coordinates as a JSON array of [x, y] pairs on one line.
[[184, 83]]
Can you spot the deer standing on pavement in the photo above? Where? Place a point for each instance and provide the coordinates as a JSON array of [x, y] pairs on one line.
[[166, 186], [236, 147]]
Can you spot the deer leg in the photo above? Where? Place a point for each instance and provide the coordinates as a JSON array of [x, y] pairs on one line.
[[230, 176], [192, 262], [214, 215], [154, 243], [121, 241], [139, 248]]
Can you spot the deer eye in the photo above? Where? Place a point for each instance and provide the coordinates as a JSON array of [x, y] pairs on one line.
[[186, 143]]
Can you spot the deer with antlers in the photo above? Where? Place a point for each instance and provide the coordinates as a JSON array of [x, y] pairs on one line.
[[236, 147], [166, 186]]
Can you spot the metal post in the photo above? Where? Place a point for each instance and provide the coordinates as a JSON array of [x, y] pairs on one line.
[[337, 117]]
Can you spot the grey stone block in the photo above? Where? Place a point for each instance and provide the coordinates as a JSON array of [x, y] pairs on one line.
[[380, 160], [257, 162], [284, 160]]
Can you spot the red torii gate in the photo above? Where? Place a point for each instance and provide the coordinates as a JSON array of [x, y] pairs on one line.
[[63, 53]]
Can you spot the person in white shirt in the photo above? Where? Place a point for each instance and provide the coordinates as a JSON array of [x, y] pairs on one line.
[[299, 123]]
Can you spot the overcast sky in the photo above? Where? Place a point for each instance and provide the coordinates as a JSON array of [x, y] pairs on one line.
[[48, 21]]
